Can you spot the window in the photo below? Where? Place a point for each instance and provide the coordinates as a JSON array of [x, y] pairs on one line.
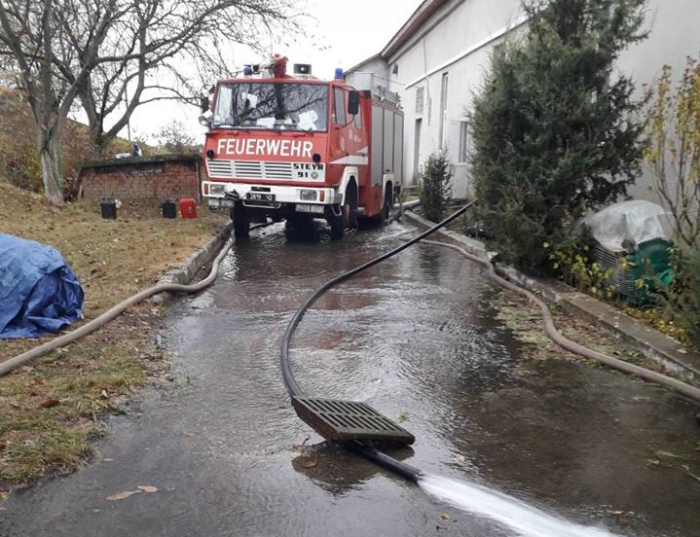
[[339, 107], [420, 100], [262, 105], [463, 148], [357, 119]]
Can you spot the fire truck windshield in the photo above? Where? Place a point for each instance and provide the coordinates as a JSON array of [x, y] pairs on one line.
[[272, 106]]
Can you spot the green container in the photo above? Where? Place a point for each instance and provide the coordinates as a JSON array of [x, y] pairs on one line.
[[650, 264]]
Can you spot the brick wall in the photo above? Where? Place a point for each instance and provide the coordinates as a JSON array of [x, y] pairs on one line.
[[148, 179]]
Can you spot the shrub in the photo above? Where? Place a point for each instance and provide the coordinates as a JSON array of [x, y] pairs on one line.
[[674, 151], [176, 138], [674, 157], [685, 297], [19, 157], [571, 262], [435, 186], [551, 131]]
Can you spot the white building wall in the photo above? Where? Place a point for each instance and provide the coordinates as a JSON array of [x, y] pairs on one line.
[[459, 40], [376, 69], [674, 34]]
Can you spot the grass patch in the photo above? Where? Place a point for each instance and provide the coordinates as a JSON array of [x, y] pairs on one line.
[[51, 409], [656, 317], [525, 320], [113, 259]]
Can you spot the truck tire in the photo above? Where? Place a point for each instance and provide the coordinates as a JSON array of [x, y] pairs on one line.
[[388, 202], [241, 221], [337, 223], [382, 216], [345, 216]]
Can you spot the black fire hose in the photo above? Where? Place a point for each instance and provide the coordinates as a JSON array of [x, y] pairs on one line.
[[382, 459]]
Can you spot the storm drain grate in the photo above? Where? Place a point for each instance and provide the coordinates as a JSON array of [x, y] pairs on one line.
[[343, 421]]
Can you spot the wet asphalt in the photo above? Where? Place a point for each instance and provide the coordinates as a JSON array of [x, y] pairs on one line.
[[417, 338]]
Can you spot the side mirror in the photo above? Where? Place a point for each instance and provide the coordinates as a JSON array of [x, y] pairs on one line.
[[354, 103], [204, 103], [205, 118]]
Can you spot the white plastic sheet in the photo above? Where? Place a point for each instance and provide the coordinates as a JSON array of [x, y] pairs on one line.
[[624, 226]]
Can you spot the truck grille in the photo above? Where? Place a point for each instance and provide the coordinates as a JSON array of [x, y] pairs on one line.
[[248, 169]]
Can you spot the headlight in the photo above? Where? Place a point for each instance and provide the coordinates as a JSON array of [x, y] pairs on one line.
[[308, 195], [216, 190]]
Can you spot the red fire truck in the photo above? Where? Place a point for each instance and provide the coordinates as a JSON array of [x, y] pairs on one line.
[[298, 148]]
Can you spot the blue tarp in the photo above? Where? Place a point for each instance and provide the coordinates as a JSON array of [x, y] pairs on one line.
[[39, 293]]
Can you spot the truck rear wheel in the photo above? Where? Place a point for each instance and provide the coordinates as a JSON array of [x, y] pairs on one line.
[[383, 215], [388, 202], [241, 221]]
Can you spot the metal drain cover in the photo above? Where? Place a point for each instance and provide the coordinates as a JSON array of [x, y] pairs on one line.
[[343, 421]]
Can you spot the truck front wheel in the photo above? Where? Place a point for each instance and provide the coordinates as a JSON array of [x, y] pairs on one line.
[[337, 222], [241, 221], [341, 217], [344, 216]]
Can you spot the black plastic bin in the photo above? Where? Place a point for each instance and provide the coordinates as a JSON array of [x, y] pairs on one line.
[[109, 208]]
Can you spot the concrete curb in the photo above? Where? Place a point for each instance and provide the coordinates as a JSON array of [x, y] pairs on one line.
[[659, 347], [198, 260]]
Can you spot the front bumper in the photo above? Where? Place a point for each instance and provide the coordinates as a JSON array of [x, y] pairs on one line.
[[220, 194]]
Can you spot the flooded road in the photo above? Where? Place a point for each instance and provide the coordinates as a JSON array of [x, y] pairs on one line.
[[417, 338]]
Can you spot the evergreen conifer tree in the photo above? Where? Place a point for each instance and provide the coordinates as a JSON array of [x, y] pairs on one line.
[[555, 131]]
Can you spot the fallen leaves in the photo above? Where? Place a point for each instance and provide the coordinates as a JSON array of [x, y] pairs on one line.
[[119, 496], [122, 495], [308, 462], [49, 403]]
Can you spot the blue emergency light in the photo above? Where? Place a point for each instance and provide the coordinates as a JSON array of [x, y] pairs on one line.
[[339, 74]]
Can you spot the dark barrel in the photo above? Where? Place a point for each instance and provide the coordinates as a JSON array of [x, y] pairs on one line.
[[169, 209], [109, 208]]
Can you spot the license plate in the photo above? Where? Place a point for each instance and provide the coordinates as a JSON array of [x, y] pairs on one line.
[[309, 208], [260, 196]]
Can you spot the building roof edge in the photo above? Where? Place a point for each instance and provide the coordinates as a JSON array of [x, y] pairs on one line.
[[363, 63], [411, 26]]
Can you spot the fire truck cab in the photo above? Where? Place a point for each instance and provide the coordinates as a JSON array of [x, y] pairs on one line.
[[298, 148]]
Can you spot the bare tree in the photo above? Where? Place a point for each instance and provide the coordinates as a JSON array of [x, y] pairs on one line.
[[106, 55], [168, 49], [29, 35]]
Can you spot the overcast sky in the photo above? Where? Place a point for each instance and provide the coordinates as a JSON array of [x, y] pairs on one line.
[[347, 33]]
